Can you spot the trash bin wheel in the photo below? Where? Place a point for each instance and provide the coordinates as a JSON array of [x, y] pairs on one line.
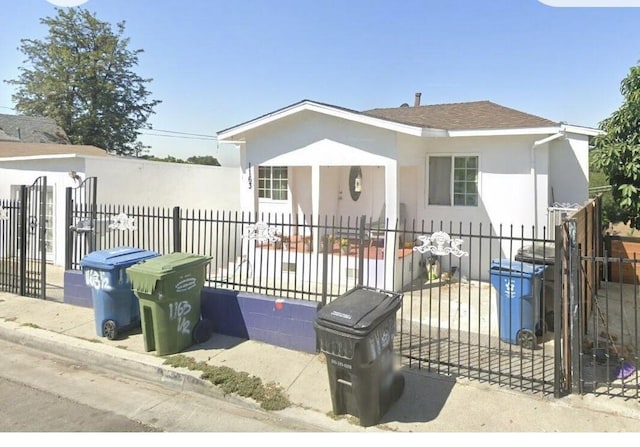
[[110, 329], [527, 339], [202, 331]]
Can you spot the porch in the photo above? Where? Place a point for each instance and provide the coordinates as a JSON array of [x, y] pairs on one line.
[[334, 265]]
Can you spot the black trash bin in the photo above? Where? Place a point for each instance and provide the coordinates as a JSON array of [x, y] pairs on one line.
[[540, 253], [355, 332]]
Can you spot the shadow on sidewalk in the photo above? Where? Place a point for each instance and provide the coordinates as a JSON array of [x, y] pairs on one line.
[[422, 399]]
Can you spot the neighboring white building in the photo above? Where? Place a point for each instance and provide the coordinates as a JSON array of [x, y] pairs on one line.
[[475, 162], [121, 181]]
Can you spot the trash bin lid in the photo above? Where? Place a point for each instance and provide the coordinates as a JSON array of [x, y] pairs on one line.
[[359, 310], [115, 258], [538, 253], [517, 267], [145, 275]]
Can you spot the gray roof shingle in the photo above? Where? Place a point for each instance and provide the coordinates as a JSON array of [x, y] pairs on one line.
[[461, 116], [31, 129]]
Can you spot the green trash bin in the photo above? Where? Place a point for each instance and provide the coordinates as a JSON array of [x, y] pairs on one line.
[[168, 289]]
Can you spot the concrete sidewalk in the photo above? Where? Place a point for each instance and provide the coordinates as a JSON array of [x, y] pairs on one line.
[[429, 403]]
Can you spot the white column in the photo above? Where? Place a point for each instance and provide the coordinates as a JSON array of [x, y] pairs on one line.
[[248, 184], [315, 203], [391, 209]]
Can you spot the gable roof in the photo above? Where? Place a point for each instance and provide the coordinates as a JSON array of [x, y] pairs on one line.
[[462, 116], [32, 129], [479, 118], [12, 149]]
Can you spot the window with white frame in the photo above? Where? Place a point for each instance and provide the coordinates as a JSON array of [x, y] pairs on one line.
[[273, 182], [453, 180]]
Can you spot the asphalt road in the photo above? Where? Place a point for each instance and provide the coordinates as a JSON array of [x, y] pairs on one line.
[[40, 392]]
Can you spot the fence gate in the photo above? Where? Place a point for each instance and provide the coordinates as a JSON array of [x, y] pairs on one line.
[[600, 308], [80, 220], [23, 245]]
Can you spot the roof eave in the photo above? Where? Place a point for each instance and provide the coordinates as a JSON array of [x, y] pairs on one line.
[[589, 131], [503, 131], [49, 157], [325, 109]]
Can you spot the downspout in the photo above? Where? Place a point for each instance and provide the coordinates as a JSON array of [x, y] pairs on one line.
[[533, 171]]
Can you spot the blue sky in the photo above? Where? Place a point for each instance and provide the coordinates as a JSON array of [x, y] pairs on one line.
[[217, 63]]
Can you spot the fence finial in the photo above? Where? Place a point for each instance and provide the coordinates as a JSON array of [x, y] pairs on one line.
[[122, 222], [261, 232], [440, 244]]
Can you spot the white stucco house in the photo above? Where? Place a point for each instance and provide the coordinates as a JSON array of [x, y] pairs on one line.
[[120, 181], [476, 162]]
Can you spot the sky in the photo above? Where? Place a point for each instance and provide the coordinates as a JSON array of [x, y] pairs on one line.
[[218, 63]]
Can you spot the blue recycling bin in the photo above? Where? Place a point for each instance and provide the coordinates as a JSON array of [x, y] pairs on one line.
[[115, 305], [519, 285]]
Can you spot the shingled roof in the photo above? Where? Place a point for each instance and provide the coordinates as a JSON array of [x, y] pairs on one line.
[[32, 129], [461, 116]]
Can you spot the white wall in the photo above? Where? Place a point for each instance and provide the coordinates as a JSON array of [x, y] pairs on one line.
[[25, 172], [125, 181], [346, 143], [505, 182], [152, 183], [569, 169]]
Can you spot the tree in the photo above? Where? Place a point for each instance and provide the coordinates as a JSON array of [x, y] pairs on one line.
[[617, 152], [81, 76], [203, 160]]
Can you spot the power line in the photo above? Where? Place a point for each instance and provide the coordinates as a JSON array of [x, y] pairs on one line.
[[184, 133], [179, 136]]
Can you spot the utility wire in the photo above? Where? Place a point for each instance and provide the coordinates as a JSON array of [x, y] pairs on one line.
[[179, 136], [185, 135]]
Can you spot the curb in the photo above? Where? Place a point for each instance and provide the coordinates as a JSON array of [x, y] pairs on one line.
[[98, 355]]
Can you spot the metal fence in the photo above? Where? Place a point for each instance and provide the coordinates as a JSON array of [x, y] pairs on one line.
[[454, 319], [609, 321], [23, 242]]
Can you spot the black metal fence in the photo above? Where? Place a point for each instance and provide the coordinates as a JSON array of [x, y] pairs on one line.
[[9, 246], [23, 242], [456, 318], [609, 321]]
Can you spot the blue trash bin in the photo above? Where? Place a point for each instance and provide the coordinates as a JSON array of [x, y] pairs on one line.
[[518, 285], [115, 305]]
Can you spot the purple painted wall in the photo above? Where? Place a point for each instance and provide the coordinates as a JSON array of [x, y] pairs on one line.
[[76, 291], [278, 321]]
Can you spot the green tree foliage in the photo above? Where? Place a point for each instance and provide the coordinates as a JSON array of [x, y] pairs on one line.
[[81, 76], [617, 152], [598, 183], [203, 160], [194, 159]]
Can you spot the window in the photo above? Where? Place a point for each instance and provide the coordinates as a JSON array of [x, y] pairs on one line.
[[449, 174], [273, 182]]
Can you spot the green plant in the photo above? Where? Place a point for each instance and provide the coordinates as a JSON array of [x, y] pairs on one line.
[[344, 242], [270, 396]]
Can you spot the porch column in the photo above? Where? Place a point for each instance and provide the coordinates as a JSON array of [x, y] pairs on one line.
[[315, 204], [391, 201], [248, 185]]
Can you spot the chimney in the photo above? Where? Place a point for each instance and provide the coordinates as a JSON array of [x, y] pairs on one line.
[[417, 101]]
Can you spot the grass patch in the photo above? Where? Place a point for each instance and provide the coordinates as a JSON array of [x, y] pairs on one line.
[[11, 319], [35, 326], [270, 396], [348, 417]]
